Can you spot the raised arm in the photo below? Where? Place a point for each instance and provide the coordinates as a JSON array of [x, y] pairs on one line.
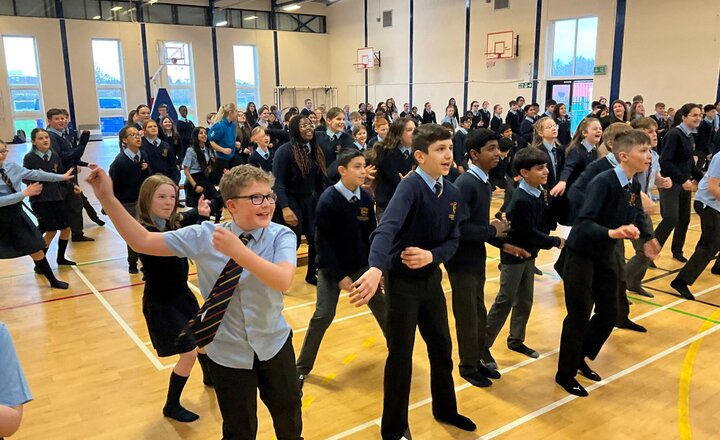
[[137, 237]]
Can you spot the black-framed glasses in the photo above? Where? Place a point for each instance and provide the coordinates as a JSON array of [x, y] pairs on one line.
[[258, 199]]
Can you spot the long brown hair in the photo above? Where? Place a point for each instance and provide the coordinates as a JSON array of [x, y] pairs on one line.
[[391, 141], [579, 137], [144, 203], [298, 147]]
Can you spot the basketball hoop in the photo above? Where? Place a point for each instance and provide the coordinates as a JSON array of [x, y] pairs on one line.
[[360, 66], [490, 63]]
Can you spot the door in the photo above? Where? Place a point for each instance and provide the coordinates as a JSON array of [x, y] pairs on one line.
[[575, 94]]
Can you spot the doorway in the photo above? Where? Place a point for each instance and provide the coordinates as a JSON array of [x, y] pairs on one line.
[[575, 94]]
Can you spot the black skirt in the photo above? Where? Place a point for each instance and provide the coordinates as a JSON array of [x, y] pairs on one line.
[[166, 319], [51, 216], [18, 235]]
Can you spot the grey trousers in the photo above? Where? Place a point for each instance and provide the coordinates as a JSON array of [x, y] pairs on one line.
[[516, 295], [468, 303], [328, 293]]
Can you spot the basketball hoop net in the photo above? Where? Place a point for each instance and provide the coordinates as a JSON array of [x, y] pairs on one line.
[[361, 66]]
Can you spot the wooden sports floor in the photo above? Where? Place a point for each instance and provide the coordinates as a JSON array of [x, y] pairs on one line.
[[93, 374]]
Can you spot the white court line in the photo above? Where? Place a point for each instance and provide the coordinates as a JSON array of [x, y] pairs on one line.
[[134, 337], [518, 365], [535, 414]]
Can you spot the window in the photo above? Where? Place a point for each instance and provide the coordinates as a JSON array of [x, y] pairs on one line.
[[300, 23], [109, 85], [99, 10], [37, 8], [238, 18], [246, 84], [573, 48], [175, 14], [24, 83], [180, 80]]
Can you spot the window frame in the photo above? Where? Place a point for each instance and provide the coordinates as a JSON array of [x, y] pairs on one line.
[[192, 107], [113, 112], [243, 88], [549, 58], [39, 115]]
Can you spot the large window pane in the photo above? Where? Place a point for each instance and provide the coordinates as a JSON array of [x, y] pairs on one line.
[[25, 100], [586, 44], [191, 15], [157, 13], [36, 8], [246, 82], [563, 48], [179, 75], [109, 85], [27, 125], [21, 60], [112, 125], [24, 82], [110, 99], [107, 62]]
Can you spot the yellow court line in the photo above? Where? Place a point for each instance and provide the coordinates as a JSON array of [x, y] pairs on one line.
[[685, 377]]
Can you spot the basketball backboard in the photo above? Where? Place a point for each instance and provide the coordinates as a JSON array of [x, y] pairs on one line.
[[500, 45], [367, 58]]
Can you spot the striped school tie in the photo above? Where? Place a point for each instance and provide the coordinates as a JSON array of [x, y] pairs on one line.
[[7, 181], [203, 327]]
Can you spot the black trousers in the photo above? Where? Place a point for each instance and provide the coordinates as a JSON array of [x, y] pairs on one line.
[[588, 281], [675, 213], [132, 256], [707, 247], [623, 309], [416, 303], [236, 390], [73, 208], [468, 303]]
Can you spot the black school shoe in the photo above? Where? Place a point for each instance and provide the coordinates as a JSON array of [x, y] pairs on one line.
[[524, 349], [571, 385], [79, 238]]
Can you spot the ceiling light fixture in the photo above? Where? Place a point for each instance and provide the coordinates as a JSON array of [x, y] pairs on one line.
[[252, 17], [116, 8], [293, 7], [221, 24]]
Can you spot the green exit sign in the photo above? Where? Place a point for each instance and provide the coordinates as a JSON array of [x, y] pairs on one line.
[[525, 85], [600, 70]]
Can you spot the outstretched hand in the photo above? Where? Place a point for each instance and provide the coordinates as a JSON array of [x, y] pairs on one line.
[[100, 183]]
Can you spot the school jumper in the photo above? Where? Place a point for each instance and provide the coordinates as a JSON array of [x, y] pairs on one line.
[[677, 163], [429, 219], [591, 273], [345, 220]]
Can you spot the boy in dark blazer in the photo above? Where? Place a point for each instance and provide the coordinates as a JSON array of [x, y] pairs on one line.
[[419, 230], [612, 211]]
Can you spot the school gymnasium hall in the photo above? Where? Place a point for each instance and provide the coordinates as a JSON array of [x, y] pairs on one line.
[[84, 82]]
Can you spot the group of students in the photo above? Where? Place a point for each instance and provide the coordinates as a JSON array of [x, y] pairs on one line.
[[418, 197]]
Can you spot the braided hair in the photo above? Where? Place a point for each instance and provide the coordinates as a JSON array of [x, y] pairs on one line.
[[297, 143]]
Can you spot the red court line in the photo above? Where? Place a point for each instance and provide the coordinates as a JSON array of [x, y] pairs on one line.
[[77, 295]]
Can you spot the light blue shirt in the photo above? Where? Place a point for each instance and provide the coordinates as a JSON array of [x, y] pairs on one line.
[[549, 149], [359, 147], [132, 155], [331, 133], [535, 192], [612, 159], [451, 120], [647, 177], [342, 189], [17, 174], [686, 130], [253, 323], [14, 389], [703, 194], [429, 180], [402, 148], [477, 172], [622, 177], [57, 132], [41, 155], [191, 160], [153, 141], [588, 146]]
